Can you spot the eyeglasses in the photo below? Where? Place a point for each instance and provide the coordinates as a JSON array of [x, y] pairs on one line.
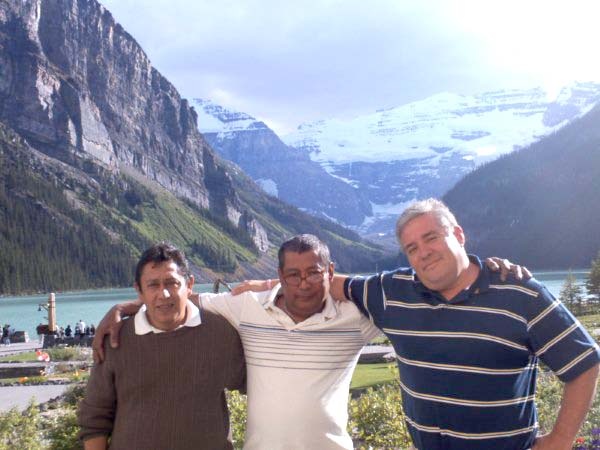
[[295, 279]]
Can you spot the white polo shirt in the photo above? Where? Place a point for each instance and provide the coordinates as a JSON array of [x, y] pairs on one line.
[[298, 374]]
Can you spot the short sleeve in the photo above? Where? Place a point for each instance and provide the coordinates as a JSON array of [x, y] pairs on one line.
[[559, 339], [225, 305], [367, 294]]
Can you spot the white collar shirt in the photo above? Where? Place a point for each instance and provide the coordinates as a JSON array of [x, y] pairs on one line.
[[143, 326]]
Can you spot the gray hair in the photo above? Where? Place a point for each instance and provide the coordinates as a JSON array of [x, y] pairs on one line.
[[431, 205], [302, 243]]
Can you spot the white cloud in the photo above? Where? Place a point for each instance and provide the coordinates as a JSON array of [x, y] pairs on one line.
[[290, 62]]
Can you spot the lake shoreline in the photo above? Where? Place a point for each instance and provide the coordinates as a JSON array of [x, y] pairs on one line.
[[535, 272]]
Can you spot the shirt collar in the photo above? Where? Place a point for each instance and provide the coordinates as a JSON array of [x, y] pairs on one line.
[[329, 310], [481, 284], [143, 326]]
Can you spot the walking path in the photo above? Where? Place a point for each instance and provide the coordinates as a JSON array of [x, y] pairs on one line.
[[20, 396], [20, 347]]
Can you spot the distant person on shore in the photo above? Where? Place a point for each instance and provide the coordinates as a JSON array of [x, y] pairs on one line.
[[68, 331], [40, 330], [61, 333], [6, 334], [301, 349], [164, 387], [80, 328], [92, 330]]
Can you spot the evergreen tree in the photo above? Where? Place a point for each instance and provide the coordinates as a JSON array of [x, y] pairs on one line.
[[571, 294], [593, 282]]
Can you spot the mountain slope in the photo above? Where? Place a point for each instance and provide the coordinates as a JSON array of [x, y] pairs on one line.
[[118, 152], [538, 206]]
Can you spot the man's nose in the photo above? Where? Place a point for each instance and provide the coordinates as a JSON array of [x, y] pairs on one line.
[[424, 252], [166, 293]]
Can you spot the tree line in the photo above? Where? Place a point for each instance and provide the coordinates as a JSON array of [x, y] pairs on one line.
[[572, 295]]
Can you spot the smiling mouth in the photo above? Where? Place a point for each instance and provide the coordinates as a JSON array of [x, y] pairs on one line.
[[164, 307], [431, 265]]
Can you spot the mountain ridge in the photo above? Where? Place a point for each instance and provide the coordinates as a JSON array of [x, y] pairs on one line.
[[397, 155]]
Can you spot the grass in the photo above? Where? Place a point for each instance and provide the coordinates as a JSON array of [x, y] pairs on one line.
[[20, 357], [590, 321], [56, 354], [367, 375]]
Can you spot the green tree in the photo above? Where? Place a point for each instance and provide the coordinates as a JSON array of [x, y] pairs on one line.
[[593, 282], [571, 294]]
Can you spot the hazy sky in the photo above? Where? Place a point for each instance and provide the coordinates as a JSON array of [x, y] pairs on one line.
[[290, 62]]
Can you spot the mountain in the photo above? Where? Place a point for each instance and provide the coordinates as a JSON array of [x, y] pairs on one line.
[[282, 171], [422, 149], [100, 154], [538, 206]]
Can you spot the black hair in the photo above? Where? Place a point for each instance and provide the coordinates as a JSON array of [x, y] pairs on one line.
[[159, 253]]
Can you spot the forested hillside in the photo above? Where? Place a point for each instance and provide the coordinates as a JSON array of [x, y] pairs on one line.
[[539, 206]]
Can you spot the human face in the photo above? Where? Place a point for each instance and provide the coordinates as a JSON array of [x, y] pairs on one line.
[[436, 252], [164, 291], [307, 298]]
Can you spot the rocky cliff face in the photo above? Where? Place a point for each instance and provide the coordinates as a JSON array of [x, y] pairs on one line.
[[80, 89]]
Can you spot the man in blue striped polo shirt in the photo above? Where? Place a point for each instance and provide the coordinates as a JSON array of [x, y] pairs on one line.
[[468, 344]]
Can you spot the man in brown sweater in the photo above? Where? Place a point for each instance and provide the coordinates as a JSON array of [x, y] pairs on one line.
[[163, 388]]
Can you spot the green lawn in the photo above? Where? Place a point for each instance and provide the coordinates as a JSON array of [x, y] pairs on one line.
[[590, 321], [21, 357], [367, 375]]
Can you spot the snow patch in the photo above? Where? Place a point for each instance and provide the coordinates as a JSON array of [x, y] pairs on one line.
[[269, 186]]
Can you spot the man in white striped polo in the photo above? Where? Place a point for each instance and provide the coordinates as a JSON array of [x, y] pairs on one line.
[[468, 343]]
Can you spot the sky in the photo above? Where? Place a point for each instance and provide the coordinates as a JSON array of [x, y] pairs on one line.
[[287, 63]]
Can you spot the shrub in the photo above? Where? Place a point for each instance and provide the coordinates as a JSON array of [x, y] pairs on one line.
[[62, 431], [20, 430], [69, 354], [238, 415], [74, 394], [376, 419]]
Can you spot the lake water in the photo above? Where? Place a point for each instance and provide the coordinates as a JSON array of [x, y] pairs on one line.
[[22, 312]]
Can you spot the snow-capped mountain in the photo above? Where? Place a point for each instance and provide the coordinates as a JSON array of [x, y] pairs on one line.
[[370, 167], [422, 149], [282, 171]]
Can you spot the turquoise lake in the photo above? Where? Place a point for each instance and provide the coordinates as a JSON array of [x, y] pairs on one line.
[[22, 312]]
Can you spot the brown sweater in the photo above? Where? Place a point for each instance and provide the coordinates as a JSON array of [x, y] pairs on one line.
[[165, 391]]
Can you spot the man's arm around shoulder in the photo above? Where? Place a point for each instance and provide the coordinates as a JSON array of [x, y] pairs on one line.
[[111, 325]]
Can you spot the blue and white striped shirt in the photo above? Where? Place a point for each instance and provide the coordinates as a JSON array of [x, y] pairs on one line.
[[468, 366]]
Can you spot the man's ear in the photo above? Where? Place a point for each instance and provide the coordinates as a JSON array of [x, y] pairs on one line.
[[190, 283], [138, 289], [459, 234], [331, 270]]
